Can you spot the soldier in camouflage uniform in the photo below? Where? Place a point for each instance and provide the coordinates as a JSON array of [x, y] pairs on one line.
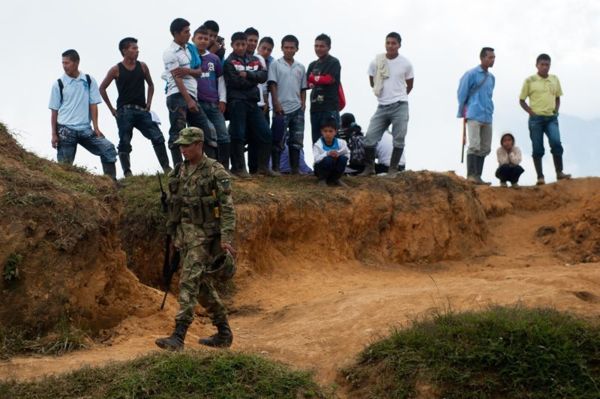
[[201, 221]]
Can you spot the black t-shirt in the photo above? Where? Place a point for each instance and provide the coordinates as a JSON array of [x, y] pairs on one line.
[[325, 97]]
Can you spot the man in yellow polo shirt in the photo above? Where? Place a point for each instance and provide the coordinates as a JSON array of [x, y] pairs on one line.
[[544, 93]]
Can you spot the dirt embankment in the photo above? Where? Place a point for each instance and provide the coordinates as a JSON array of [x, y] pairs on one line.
[[60, 252], [418, 218]]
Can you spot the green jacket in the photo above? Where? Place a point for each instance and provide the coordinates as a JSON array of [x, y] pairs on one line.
[[200, 203]]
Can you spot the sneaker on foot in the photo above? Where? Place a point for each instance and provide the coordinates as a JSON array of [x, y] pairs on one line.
[[503, 184]]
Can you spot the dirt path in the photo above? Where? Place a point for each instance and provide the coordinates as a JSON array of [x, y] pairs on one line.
[[319, 316]]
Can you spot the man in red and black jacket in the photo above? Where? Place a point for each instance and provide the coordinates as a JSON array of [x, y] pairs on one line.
[[324, 80], [243, 73]]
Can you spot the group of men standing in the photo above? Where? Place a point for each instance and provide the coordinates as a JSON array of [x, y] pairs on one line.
[[204, 89], [475, 105]]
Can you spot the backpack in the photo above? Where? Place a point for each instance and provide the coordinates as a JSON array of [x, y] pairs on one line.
[[357, 151], [61, 85]]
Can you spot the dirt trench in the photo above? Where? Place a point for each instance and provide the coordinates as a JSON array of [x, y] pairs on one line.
[[323, 273]]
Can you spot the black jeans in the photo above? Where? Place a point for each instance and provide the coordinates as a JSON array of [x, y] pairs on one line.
[[508, 172]]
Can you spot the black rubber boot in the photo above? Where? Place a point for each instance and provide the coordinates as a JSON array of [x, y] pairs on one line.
[[480, 161], [125, 164], [238, 162], [394, 161], [210, 151], [264, 154], [110, 169], [224, 154], [176, 155], [537, 163], [174, 342], [222, 339], [163, 159], [295, 160], [558, 166], [275, 159], [472, 168], [369, 162]]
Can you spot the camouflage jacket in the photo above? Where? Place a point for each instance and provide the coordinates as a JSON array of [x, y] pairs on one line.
[[200, 203]]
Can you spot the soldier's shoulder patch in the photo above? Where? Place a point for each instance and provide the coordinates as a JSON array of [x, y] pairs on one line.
[[225, 185]]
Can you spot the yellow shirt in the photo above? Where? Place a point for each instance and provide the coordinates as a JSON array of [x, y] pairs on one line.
[[542, 93]]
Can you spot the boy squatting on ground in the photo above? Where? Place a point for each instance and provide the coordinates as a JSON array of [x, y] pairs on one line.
[[509, 158], [331, 155], [74, 103], [133, 110]]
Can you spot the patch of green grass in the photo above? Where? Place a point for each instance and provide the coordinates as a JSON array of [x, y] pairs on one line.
[[63, 338], [498, 353], [190, 374], [11, 267]]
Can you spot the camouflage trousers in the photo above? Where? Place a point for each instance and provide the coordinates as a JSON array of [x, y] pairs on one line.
[[196, 286]]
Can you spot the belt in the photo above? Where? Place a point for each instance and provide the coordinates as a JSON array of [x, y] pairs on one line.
[[389, 105], [132, 106]]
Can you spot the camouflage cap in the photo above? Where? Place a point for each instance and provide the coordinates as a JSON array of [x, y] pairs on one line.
[[190, 135]]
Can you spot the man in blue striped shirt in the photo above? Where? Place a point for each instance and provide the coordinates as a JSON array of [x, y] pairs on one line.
[[475, 104]]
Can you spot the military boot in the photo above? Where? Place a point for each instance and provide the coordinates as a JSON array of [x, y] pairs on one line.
[[537, 163], [369, 162], [125, 164], [176, 155], [264, 153], [558, 166], [224, 154], [110, 169], [222, 339], [175, 341], [394, 161], [238, 162], [295, 161], [163, 159], [210, 151]]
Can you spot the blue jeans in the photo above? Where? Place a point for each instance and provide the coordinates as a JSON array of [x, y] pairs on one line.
[[331, 169], [69, 138], [217, 119], [316, 118], [395, 114], [538, 125], [180, 117], [245, 115], [129, 118], [293, 130]]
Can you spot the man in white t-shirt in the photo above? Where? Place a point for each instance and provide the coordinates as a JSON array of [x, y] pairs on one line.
[[391, 77]]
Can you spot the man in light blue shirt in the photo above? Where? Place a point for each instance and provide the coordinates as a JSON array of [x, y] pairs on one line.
[[74, 104], [475, 105], [287, 81]]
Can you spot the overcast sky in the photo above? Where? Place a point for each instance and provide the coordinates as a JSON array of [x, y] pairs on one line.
[[442, 39]]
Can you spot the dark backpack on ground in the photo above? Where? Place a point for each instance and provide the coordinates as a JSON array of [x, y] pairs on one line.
[[355, 139]]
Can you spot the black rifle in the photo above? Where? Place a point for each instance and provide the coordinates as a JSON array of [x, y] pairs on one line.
[[171, 261]]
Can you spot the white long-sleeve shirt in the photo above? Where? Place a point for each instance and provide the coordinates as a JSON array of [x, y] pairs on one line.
[[513, 157], [320, 152]]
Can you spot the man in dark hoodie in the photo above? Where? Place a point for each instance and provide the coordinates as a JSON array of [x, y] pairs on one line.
[[243, 73]]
